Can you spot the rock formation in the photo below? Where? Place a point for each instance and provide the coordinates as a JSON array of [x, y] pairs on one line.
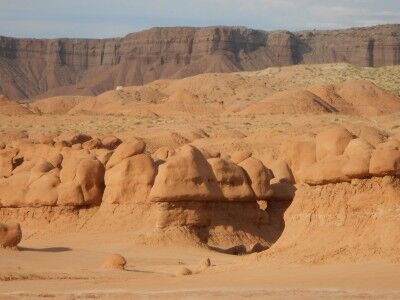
[[10, 235], [89, 67]]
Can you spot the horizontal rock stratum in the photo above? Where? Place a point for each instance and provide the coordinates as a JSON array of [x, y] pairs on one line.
[[33, 67]]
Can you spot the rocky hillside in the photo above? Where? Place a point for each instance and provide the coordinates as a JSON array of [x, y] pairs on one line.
[[34, 67]]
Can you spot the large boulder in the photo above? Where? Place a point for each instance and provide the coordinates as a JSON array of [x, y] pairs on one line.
[[10, 235], [130, 181], [232, 180], [82, 180], [186, 176], [259, 176], [125, 150], [332, 142]]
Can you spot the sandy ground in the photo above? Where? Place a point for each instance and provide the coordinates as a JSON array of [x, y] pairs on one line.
[[69, 267]]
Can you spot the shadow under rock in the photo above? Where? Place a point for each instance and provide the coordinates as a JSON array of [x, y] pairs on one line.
[[51, 249]]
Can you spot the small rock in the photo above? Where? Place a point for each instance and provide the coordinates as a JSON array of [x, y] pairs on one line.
[[114, 262]]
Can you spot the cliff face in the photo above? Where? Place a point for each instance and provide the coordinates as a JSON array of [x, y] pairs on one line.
[[34, 67]]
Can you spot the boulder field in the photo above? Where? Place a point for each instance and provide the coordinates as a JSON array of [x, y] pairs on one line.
[[319, 186]]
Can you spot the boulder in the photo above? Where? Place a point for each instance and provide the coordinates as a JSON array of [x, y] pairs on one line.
[[259, 176], [332, 142], [114, 262], [186, 176], [82, 180], [125, 150], [232, 180], [10, 235], [130, 181]]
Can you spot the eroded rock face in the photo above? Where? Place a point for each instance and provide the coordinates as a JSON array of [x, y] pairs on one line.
[[180, 52]]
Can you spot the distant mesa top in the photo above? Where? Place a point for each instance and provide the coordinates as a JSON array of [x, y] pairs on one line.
[[37, 67]]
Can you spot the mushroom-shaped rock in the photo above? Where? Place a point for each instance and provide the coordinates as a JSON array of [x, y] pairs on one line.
[[239, 156], [125, 150], [186, 176], [332, 142], [232, 180], [114, 262], [130, 181], [258, 175], [385, 162], [10, 235]]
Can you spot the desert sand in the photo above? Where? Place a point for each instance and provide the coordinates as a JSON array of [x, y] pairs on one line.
[[274, 184]]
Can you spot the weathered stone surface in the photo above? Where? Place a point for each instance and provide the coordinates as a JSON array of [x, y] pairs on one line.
[[125, 150], [232, 180], [130, 181]]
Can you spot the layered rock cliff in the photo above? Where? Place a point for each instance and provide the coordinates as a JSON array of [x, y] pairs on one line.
[[34, 67]]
